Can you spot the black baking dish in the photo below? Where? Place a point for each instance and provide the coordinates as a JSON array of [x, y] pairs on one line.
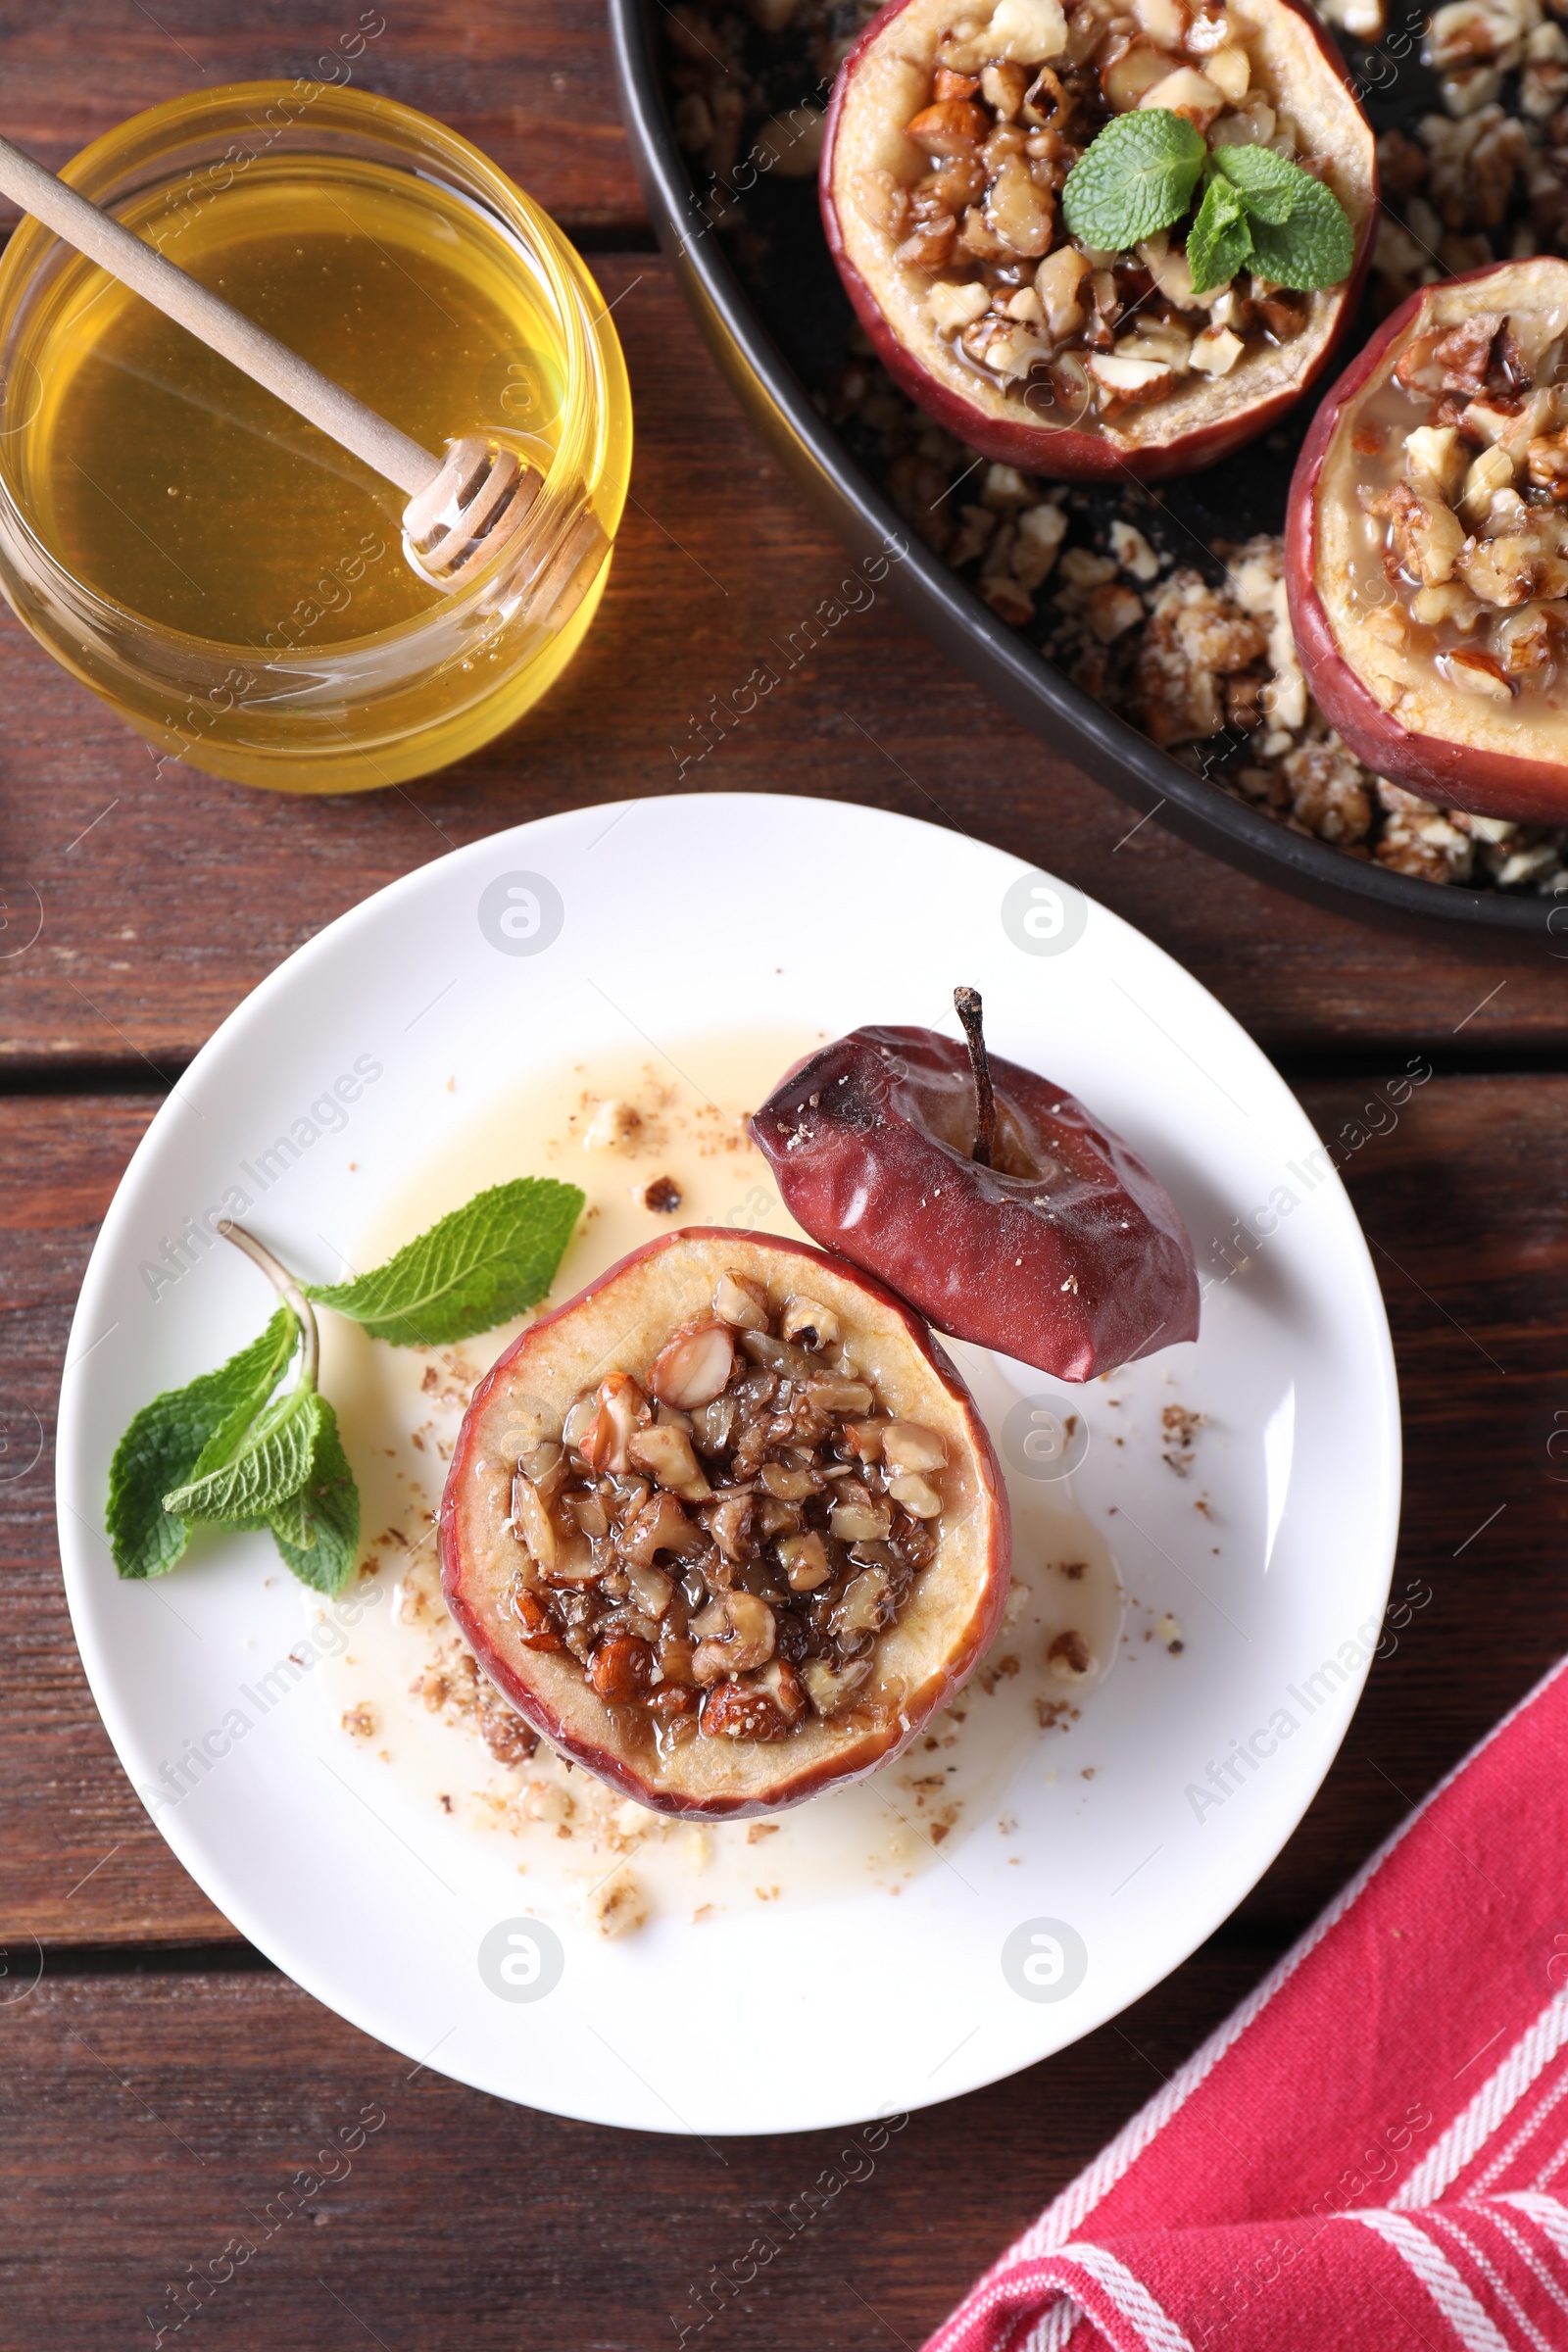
[[771, 385]]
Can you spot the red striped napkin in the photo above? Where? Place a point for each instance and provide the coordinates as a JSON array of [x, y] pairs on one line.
[[1371, 2155]]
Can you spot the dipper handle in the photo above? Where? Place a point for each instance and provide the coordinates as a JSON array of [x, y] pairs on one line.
[[216, 324], [463, 507]]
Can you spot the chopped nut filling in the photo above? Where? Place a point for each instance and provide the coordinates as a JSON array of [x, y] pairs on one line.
[[1074, 334], [1466, 496], [721, 1547]]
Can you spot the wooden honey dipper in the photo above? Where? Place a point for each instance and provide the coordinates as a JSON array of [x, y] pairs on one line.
[[462, 508]]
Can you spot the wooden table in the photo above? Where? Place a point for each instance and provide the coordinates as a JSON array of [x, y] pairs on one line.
[[161, 2081]]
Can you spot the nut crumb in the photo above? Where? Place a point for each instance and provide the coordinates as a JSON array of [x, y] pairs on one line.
[[1002, 1671], [1180, 1425], [616, 1906], [360, 1722], [662, 1196], [1054, 1714], [611, 1125], [760, 1829], [1070, 1658]]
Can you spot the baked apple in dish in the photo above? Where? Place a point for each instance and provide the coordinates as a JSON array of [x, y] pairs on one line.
[[1092, 240], [984, 1194], [727, 1528], [1427, 545]]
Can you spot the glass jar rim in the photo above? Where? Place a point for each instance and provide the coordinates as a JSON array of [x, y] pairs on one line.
[[125, 161]]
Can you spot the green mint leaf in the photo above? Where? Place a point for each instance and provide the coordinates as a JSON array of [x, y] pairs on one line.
[[1315, 247], [169, 1438], [229, 1433], [1136, 176], [1270, 184], [317, 1530], [1220, 241], [476, 1268], [272, 1463], [1302, 233]]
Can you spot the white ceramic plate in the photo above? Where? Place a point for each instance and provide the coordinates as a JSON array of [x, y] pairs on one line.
[[1110, 1852]]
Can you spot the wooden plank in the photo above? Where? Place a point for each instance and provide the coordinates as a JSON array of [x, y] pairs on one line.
[[143, 951], [533, 86], [1468, 1216], [1463, 1203], [88, 1862], [153, 2122]]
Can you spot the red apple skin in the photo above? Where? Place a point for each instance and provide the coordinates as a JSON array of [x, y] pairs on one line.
[[763, 1778], [870, 1140], [1059, 451], [1456, 775]]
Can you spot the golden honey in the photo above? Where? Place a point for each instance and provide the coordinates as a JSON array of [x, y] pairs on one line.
[[221, 571]]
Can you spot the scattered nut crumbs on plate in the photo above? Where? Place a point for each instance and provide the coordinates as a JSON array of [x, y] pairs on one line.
[[1180, 1426]]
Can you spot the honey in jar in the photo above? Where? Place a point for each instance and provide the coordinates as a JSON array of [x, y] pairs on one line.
[[226, 575]]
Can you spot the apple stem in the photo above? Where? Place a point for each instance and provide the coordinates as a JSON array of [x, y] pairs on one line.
[[966, 1004]]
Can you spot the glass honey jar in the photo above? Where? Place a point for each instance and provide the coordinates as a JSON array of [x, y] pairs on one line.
[[230, 580]]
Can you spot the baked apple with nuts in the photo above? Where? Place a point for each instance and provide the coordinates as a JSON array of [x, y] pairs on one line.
[[727, 1528], [987, 1196], [1093, 239], [1427, 545]]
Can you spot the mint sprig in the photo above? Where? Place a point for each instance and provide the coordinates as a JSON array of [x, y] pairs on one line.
[[1258, 210], [478, 1267], [1134, 178], [233, 1449]]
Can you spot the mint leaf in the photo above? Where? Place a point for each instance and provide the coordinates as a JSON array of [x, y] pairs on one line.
[[317, 1530], [1136, 176], [168, 1439], [1269, 183], [1220, 241], [270, 1463], [230, 1431], [1315, 247], [1302, 233], [476, 1268]]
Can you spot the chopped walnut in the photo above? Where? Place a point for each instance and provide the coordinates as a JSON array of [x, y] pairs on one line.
[[1069, 1659], [616, 1906], [1329, 790], [612, 1124], [1426, 536], [1191, 641]]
